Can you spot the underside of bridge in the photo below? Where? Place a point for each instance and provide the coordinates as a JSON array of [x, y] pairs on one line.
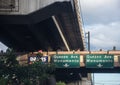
[[37, 30]]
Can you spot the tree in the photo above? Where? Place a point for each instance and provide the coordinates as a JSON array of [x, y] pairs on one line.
[[60, 83], [8, 66], [31, 74]]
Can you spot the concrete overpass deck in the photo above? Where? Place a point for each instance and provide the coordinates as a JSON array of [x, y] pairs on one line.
[[54, 26]]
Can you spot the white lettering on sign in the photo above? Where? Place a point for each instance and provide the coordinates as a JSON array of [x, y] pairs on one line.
[[74, 56], [106, 56], [68, 61], [65, 57], [43, 59], [61, 57], [98, 56], [93, 56], [89, 60], [33, 58]]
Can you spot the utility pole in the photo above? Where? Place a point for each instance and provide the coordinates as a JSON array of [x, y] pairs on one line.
[[92, 81], [88, 41]]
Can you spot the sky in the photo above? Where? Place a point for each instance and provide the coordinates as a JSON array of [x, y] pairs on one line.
[[102, 19], [3, 47], [107, 79]]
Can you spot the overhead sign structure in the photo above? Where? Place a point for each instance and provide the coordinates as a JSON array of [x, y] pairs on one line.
[[67, 60], [99, 61]]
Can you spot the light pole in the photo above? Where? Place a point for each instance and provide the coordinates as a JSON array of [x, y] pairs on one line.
[[88, 40]]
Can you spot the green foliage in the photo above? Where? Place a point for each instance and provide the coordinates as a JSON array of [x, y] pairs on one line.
[[27, 82], [12, 71], [3, 81], [8, 64], [40, 70], [60, 83]]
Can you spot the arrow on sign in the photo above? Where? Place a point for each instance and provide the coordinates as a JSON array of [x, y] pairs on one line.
[[66, 65], [99, 65]]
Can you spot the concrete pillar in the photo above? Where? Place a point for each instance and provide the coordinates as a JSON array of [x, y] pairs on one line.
[[74, 83], [85, 81], [51, 80]]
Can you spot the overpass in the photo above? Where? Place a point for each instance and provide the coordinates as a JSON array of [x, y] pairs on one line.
[[50, 25]]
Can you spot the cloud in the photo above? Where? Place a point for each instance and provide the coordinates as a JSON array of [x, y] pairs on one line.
[[102, 19], [100, 11], [104, 36]]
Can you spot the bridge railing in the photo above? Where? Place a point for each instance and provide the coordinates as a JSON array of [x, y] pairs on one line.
[[79, 19], [22, 7], [9, 5]]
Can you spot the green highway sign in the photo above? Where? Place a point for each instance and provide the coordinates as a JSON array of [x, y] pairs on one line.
[[99, 61], [67, 60]]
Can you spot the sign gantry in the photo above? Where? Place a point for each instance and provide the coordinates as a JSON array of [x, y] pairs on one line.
[[87, 59]]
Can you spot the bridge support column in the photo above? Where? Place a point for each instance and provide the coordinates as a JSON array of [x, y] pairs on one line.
[[85, 81], [52, 81], [74, 83]]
